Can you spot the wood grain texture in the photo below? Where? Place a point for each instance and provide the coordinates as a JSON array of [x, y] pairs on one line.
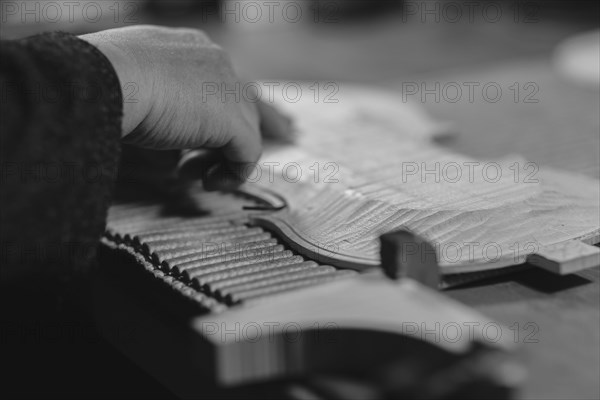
[[380, 172]]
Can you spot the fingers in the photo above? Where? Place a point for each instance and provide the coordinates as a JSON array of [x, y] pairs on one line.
[[245, 145], [237, 158], [195, 164], [212, 168], [275, 125], [209, 166], [229, 167]]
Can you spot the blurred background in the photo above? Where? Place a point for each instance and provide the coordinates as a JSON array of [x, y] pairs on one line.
[[375, 41], [388, 43]]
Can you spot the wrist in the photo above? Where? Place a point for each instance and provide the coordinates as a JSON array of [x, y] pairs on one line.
[[135, 100]]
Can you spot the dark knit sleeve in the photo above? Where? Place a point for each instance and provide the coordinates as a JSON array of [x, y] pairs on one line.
[[60, 126]]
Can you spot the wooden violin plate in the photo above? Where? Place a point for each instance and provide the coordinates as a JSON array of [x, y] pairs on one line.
[[367, 165]]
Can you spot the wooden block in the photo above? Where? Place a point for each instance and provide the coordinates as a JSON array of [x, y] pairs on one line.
[[566, 258], [341, 326], [405, 255]]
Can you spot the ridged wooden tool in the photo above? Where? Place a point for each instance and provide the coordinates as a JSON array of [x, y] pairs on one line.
[[159, 245], [281, 257], [169, 258], [282, 283], [255, 271], [201, 259], [219, 281]]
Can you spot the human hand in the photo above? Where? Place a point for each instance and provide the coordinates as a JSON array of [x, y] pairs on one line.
[[168, 68]]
